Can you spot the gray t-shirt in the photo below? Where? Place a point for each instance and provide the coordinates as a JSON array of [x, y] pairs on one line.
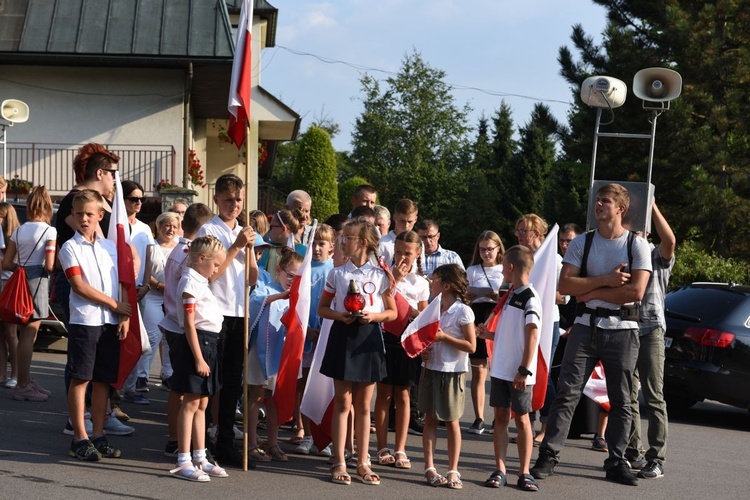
[[652, 305], [604, 255]]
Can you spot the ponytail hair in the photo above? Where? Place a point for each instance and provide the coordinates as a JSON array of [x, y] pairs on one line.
[[455, 277]]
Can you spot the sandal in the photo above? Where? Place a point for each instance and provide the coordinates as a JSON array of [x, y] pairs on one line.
[[526, 482], [190, 472], [455, 483], [340, 477], [276, 453], [496, 480], [258, 454], [403, 462], [211, 469], [436, 479], [368, 477], [385, 457]]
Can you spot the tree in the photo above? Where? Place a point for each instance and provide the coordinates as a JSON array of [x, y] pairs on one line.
[[703, 141], [411, 138], [315, 171]]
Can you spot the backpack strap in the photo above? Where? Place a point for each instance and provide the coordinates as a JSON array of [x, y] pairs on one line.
[[586, 250], [35, 245]]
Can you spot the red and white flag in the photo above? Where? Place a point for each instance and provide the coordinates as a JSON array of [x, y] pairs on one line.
[[421, 332], [544, 278], [596, 387], [119, 232], [295, 320], [317, 400], [239, 90]]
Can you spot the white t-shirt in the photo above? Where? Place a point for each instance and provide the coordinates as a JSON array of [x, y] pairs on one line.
[[26, 236], [173, 270], [141, 238], [603, 256], [444, 358], [207, 315], [229, 288], [522, 308], [484, 277], [95, 263], [372, 283], [414, 288]]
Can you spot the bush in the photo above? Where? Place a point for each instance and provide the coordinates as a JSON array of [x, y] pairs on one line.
[[696, 264], [315, 172]]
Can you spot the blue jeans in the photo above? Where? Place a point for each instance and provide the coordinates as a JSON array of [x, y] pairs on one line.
[[618, 351], [650, 371]]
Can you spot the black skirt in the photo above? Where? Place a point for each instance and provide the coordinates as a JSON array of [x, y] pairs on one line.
[[482, 311], [403, 371], [355, 353], [185, 379]]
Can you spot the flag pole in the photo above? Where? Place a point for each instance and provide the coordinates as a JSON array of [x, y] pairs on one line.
[[246, 325]]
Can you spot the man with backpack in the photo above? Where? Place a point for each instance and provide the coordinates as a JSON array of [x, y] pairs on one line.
[[607, 270]]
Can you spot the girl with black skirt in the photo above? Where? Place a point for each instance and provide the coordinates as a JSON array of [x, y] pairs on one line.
[[355, 354]]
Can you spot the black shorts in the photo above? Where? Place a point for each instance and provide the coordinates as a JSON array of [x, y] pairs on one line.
[[503, 395], [185, 379], [171, 338], [93, 353]]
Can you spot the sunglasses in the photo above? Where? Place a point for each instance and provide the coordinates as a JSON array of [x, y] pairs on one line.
[[136, 199]]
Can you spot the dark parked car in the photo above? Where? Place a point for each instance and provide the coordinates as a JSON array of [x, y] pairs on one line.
[[707, 345]]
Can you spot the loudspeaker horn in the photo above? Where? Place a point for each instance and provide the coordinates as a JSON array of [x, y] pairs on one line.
[[657, 84], [15, 111], [603, 92]]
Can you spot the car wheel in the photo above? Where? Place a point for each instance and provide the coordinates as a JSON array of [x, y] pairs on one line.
[[678, 404]]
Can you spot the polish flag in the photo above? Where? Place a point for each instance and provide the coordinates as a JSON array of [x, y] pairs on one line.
[[119, 232], [398, 325], [491, 323], [596, 387], [295, 321], [420, 334], [317, 400], [544, 278], [239, 90]]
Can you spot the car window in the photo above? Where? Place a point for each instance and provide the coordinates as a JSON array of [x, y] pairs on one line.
[[709, 305]]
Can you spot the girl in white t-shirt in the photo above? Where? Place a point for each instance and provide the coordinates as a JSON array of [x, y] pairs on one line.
[[33, 246], [403, 371], [195, 358], [355, 356], [8, 331], [446, 361], [485, 275]]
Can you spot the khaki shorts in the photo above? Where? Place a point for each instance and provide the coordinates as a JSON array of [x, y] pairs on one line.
[[441, 394]]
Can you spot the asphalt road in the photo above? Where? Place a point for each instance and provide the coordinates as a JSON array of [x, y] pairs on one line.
[[707, 459]]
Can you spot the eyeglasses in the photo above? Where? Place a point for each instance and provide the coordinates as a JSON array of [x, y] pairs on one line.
[[565, 241], [487, 249], [524, 232], [428, 236], [289, 275], [110, 170], [135, 199], [344, 239]]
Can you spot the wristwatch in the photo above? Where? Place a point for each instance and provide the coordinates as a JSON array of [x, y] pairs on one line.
[[524, 371]]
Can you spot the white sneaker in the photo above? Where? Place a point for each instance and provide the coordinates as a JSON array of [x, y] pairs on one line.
[[114, 427], [304, 446], [327, 451], [11, 383], [238, 433]]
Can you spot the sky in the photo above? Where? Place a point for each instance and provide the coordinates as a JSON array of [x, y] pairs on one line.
[[501, 46]]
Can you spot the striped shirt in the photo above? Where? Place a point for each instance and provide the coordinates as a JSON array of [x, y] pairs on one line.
[[440, 257]]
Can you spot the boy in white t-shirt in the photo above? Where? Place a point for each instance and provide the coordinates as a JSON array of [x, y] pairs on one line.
[[514, 358], [98, 323], [228, 285]]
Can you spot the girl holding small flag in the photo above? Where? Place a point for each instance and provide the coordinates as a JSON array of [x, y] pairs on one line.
[[355, 354], [446, 361]]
